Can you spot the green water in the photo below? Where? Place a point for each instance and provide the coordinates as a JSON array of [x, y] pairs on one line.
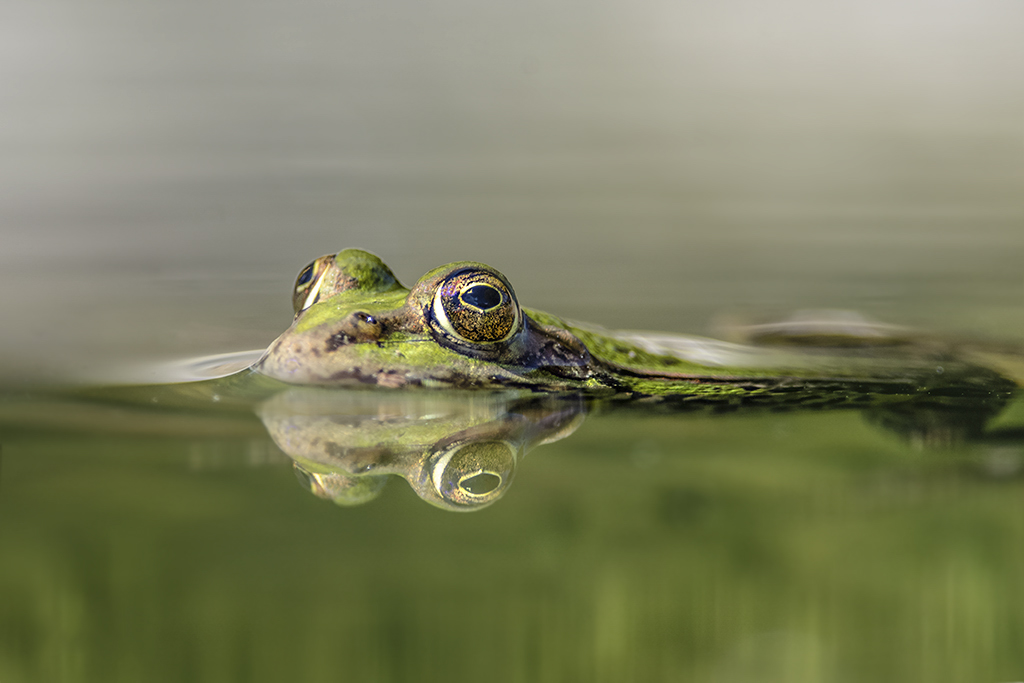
[[167, 169], [795, 547]]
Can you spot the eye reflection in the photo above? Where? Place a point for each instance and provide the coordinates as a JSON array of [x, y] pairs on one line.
[[474, 474]]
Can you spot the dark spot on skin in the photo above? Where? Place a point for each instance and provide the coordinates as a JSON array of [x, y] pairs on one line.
[[336, 341], [352, 376]]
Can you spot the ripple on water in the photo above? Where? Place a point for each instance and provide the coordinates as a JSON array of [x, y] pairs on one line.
[[175, 370]]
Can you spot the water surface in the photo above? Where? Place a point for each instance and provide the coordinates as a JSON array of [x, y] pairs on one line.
[[167, 171]]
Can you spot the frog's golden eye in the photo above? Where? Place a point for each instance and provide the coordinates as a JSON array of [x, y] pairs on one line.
[[477, 306], [473, 474], [309, 283]]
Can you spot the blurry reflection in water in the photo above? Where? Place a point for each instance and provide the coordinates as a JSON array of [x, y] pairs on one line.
[[167, 169]]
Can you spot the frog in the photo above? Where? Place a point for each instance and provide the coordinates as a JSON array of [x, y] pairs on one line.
[[461, 327], [469, 381]]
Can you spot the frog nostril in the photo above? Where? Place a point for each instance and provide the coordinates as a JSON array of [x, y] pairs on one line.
[[357, 327], [364, 327], [366, 318]]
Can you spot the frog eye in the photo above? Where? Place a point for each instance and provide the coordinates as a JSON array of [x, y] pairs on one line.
[[308, 284], [473, 474], [477, 306], [305, 276]]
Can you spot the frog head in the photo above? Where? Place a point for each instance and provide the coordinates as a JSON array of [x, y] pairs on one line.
[[460, 326]]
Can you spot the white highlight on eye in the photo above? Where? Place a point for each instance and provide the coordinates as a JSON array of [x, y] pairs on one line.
[[439, 313], [442, 464], [313, 292]]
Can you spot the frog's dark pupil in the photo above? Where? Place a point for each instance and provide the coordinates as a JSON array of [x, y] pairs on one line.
[[306, 275], [480, 484], [483, 297]]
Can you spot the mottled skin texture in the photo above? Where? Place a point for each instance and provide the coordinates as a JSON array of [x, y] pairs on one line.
[[363, 327]]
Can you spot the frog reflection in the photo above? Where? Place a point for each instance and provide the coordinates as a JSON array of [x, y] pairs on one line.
[[461, 451], [457, 452]]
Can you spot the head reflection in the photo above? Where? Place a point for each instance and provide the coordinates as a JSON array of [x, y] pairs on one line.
[[343, 489], [457, 452]]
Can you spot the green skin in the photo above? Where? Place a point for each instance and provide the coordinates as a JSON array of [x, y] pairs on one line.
[[357, 325]]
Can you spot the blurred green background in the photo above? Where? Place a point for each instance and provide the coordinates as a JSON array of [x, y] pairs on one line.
[[167, 168]]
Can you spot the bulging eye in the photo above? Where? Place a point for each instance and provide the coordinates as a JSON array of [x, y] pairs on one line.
[[477, 306], [474, 474], [309, 283], [334, 274]]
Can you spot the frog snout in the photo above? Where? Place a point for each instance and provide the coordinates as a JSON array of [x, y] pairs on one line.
[[357, 327]]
